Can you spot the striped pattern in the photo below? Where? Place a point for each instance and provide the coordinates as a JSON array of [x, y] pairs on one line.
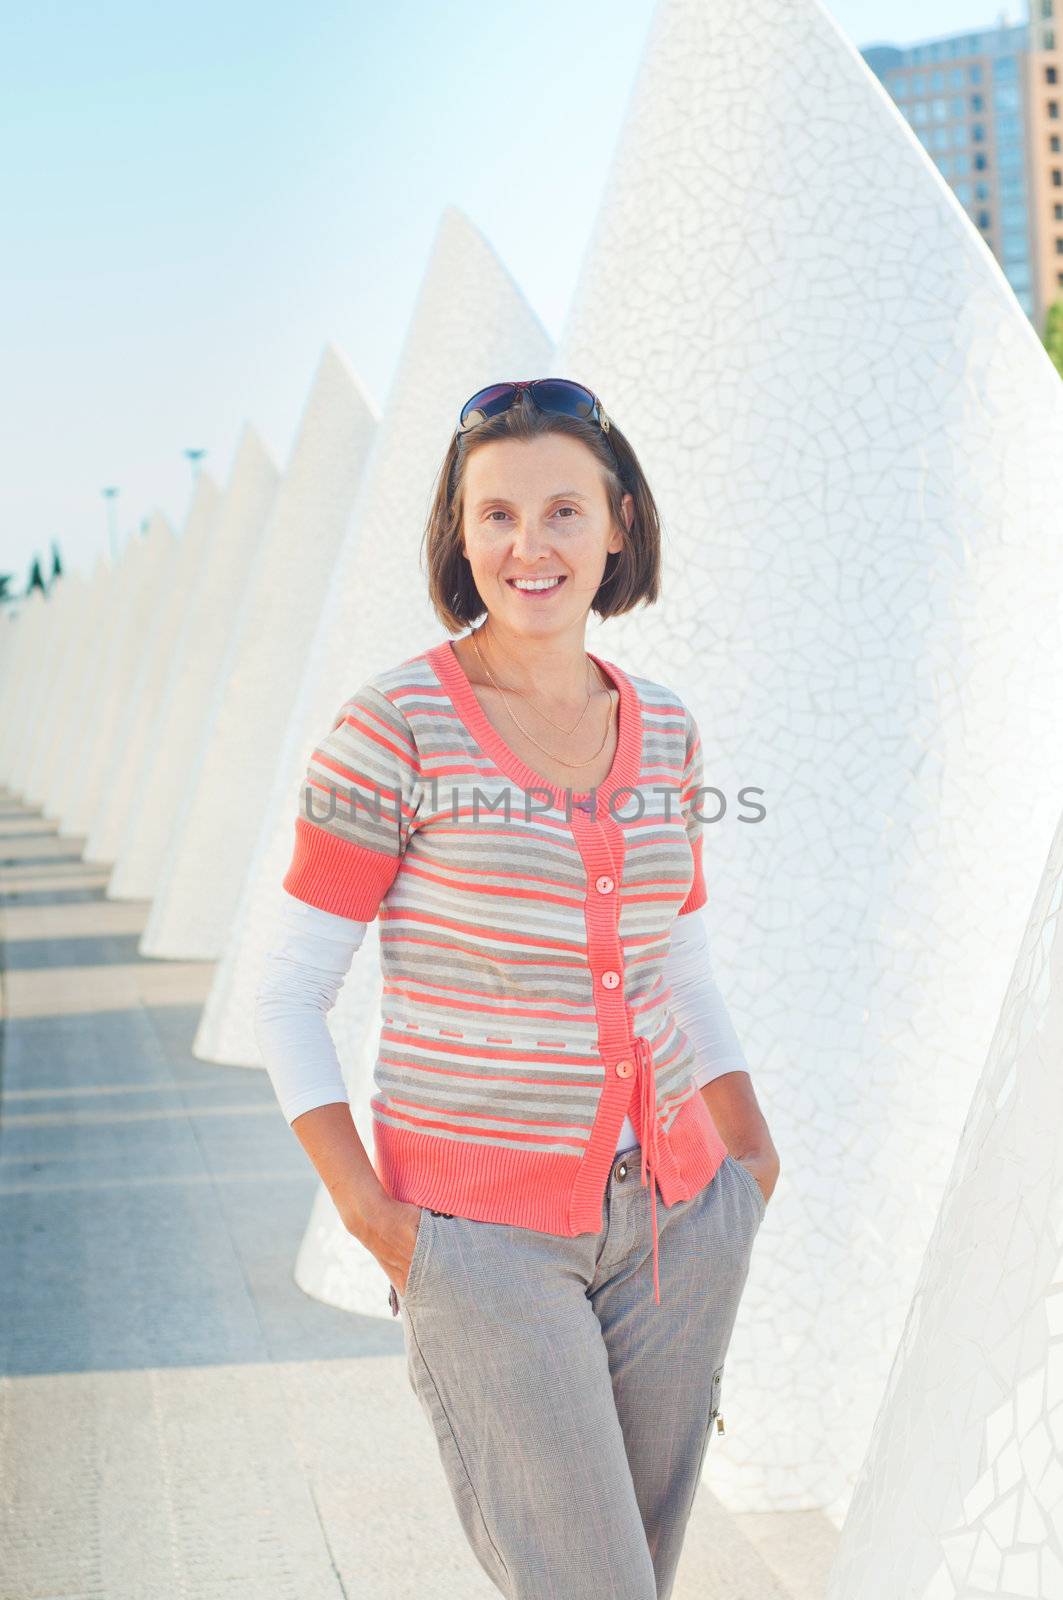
[[522, 943]]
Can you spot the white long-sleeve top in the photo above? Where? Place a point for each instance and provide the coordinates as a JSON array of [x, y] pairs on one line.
[[311, 951]]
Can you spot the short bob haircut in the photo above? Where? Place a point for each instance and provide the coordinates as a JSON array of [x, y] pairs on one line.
[[631, 574]]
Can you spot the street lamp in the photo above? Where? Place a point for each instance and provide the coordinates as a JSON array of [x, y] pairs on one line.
[[110, 495]]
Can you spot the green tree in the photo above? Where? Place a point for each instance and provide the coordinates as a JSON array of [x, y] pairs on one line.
[[1053, 340]]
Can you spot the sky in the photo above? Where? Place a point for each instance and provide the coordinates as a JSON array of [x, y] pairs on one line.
[[196, 202]]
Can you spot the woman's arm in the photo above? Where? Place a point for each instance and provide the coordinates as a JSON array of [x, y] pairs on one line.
[[722, 1072], [309, 956]]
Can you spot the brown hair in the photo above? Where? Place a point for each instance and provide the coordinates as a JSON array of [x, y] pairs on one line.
[[631, 573]]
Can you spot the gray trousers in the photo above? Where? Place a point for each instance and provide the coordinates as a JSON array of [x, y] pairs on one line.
[[572, 1413]]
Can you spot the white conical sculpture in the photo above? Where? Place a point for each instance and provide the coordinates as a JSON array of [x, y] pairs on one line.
[[470, 325], [227, 539], [848, 421], [81, 662], [21, 681], [211, 830], [67, 605], [961, 1493], [134, 598]]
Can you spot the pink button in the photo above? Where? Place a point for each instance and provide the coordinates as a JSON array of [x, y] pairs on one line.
[[610, 980], [624, 1069], [604, 885]]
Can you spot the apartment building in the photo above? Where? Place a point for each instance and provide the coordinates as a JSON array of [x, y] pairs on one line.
[[986, 107]]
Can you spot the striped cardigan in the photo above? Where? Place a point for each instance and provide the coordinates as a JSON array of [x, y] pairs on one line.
[[523, 933]]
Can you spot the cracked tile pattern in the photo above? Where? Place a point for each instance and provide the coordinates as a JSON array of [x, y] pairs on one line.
[[854, 436], [961, 1491]]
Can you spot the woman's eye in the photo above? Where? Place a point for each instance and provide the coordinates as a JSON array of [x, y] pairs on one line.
[[499, 513]]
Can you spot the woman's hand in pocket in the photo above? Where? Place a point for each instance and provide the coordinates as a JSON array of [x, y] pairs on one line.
[[393, 1239], [765, 1166]]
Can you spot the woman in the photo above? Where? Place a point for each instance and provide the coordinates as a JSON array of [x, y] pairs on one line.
[[524, 817]]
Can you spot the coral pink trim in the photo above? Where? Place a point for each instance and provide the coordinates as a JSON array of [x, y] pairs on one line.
[[336, 875]]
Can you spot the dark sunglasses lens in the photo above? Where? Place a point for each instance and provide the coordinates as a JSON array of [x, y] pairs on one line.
[[489, 402], [561, 394]]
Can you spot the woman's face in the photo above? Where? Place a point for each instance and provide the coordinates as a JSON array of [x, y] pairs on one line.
[[537, 508]]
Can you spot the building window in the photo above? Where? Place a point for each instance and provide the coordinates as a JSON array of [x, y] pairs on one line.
[[977, 103], [974, 72], [1049, 41], [1059, 277], [939, 110], [1050, 75], [981, 161], [959, 107], [1053, 108], [937, 79], [963, 193], [918, 112], [1058, 211], [983, 219], [1046, 8], [956, 78], [1059, 247], [1053, 141], [978, 133], [981, 191], [1057, 178]]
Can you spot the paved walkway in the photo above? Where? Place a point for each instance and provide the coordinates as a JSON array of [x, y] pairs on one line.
[[177, 1419]]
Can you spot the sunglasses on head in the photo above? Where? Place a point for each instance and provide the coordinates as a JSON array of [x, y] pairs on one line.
[[549, 394]]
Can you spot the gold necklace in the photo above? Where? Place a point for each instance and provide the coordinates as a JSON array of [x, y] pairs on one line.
[[574, 764], [498, 686]]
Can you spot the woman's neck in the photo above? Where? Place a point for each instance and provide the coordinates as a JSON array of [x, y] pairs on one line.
[[556, 671]]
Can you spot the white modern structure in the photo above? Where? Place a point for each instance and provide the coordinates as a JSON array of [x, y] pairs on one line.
[[81, 647], [470, 323], [210, 837], [64, 650], [132, 599], [849, 423], [961, 1492], [234, 526], [31, 662]]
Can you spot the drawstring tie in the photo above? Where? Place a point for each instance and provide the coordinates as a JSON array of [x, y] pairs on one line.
[[648, 1136]]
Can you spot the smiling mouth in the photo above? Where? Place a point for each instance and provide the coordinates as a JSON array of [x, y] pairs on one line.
[[550, 590]]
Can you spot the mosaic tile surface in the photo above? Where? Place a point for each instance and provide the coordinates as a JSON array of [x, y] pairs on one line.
[[961, 1492], [857, 445]]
